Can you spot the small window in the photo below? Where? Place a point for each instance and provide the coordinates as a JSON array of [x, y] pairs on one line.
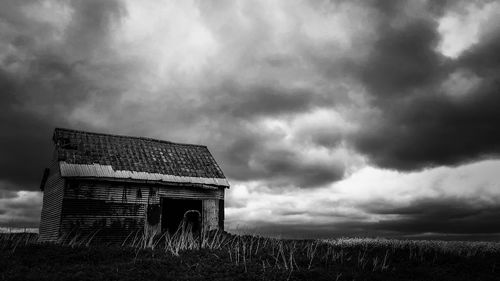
[[139, 193], [152, 192]]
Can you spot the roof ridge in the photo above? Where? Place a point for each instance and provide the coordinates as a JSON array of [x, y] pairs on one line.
[[128, 137]]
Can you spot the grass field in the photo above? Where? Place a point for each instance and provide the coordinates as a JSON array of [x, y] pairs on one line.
[[222, 256]]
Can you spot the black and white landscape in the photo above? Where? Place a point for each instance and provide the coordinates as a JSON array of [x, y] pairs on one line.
[[372, 119]]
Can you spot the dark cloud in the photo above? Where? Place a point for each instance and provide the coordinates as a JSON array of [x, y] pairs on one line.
[[325, 138], [419, 124], [252, 155], [237, 152], [39, 87], [438, 215], [20, 210], [242, 101], [428, 131], [445, 219], [79, 64], [483, 59], [90, 26], [287, 167], [319, 213], [403, 59], [24, 142]]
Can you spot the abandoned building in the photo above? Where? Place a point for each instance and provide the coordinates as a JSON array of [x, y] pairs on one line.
[[116, 185]]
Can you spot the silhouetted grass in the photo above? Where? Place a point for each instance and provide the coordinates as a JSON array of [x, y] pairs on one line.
[[222, 256]]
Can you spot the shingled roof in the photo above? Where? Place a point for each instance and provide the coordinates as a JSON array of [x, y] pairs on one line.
[[86, 154]]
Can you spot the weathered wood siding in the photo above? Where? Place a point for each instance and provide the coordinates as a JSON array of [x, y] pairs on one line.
[[107, 209], [52, 204], [117, 209], [213, 214], [221, 213], [210, 214]]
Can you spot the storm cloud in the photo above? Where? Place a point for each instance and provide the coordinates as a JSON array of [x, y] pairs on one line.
[[446, 215], [431, 109], [294, 99]]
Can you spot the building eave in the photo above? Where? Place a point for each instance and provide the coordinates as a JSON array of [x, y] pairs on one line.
[[107, 172]]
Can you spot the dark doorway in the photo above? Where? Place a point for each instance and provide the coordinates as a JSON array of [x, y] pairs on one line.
[[173, 211]]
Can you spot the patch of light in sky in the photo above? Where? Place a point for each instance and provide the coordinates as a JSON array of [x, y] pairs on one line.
[[461, 30]]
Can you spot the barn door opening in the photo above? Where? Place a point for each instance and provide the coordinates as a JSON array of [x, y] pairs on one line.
[[173, 211]]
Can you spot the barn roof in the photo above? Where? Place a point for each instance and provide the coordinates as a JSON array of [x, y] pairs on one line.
[[86, 154]]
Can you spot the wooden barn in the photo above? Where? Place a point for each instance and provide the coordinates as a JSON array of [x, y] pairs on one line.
[[115, 185]]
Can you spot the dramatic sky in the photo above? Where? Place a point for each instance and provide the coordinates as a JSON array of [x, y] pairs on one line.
[[360, 118]]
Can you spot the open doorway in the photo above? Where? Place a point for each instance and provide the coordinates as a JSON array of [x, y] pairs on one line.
[[173, 211]]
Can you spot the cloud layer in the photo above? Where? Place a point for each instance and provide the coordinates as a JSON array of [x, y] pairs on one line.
[[292, 97]]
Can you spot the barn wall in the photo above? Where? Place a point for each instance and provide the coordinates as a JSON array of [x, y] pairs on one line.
[[107, 209], [210, 214], [221, 214], [52, 204], [118, 209]]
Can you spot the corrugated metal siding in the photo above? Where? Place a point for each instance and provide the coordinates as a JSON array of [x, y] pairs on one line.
[[52, 205], [190, 193], [107, 171], [113, 211], [117, 209]]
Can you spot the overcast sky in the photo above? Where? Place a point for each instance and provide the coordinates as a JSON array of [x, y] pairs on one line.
[[359, 118]]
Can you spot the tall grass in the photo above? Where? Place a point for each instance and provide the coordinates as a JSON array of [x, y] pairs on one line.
[[10, 241], [416, 247], [375, 255]]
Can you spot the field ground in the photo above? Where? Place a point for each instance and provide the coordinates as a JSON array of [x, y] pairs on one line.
[[229, 257]]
